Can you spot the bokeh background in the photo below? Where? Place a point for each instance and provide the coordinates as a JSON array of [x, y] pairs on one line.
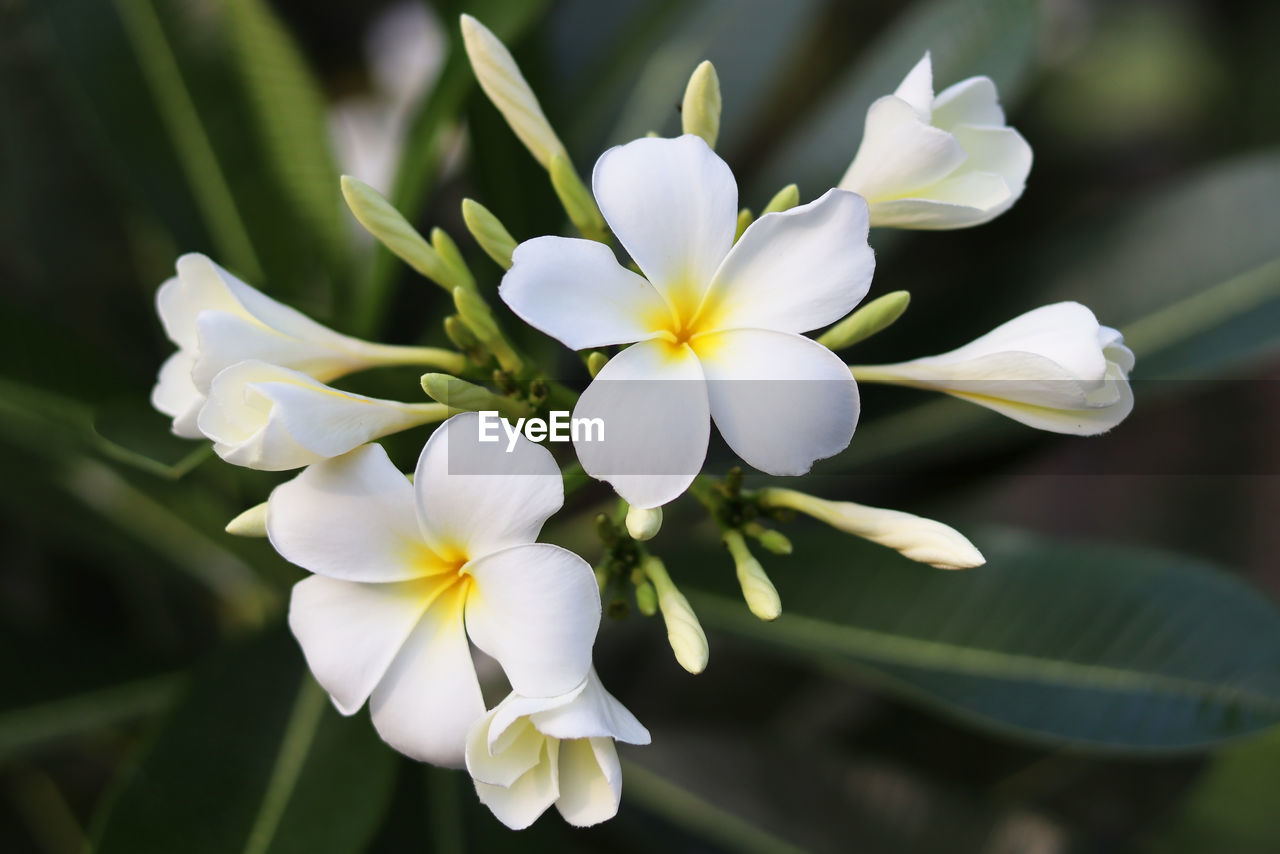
[[1107, 683]]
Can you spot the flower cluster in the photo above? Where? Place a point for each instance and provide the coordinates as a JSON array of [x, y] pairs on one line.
[[703, 322]]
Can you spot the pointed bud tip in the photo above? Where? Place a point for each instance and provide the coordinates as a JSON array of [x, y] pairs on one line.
[[250, 523]]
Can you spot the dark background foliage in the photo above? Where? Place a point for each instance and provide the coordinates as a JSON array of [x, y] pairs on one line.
[[1110, 681]]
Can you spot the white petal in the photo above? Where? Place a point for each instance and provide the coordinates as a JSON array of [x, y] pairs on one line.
[[350, 518], [430, 696], [577, 292], [271, 418], [536, 609], [516, 708], [938, 215], [900, 153], [504, 766], [998, 151], [592, 713], [226, 338], [780, 400], [917, 88], [1065, 333], [652, 401], [970, 102], [475, 497], [176, 395], [1076, 421], [673, 204], [590, 781], [796, 270], [350, 632], [519, 805]]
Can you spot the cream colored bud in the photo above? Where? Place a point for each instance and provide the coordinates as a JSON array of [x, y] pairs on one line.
[[489, 232], [758, 591], [700, 110], [250, 523], [501, 80], [684, 632], [644, 523], [915, 537]]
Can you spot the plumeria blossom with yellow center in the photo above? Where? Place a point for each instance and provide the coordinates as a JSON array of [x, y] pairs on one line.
[[1054, 368], [406, 575], [266, 417], [716, 324], [529, 753], [937, 162], [217, 320]]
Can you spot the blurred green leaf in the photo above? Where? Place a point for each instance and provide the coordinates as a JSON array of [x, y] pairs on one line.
[[254, 760], [290, 112], [1233, 807], [1088, 645], [998, 38]]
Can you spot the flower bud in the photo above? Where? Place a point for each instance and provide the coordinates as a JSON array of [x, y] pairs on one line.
[[644, 523], [489, 232], [452, 257], [596, 362], [393, 231], [684, 632], [915, 537], [700, 110], [758, 591], [875, 316], [784, 200], [461, 395], [578, 202], [250, 523]]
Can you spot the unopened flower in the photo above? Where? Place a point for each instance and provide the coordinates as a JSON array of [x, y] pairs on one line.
[[530, 753], [916, 537], [938, 162], [717, 324], [406, 575], [217, 320], [1054, 368], [266, 417]]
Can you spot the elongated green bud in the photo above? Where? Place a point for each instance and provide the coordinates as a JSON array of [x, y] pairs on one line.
[[577, 200], [250, 523], [469, 397], [393, 231], [761, 596], [773, 541], [700, 111], [452, 257], [596, 362], [501, 80], [784, 200], [464, 339], [744, 222], [479, 319], [643, 524], [684, 632], [489, 232], [646, 599], [875, 316]]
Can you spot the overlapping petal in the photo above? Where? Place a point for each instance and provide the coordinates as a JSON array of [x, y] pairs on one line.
[[796, 270], [519, 805], [590, 781], [652, 400], [900, 154], [780, 400], [673, 205], [475, 498], [536, 609], [576, 291], [350, 518]]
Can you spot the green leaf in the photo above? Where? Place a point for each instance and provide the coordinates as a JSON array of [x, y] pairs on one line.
[[254, 760], [1087, 645], [1232, 808], [289, 109], [998, 38]]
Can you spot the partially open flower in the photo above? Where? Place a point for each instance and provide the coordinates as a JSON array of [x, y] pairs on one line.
[[528, 754], [217, 320], [1054, 368], [270, 418], [407, 576], [938, 162]]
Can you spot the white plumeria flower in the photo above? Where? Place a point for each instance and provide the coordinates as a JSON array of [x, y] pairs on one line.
[[405, 574], [530, 753], [717, 323], [938, 162], [266, 417], [217, 320], [1054, 368]]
